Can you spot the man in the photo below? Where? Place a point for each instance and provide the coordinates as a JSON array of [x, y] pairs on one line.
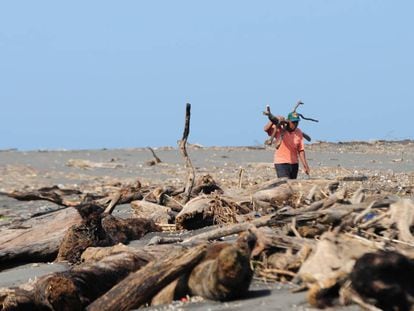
[[289, 145]]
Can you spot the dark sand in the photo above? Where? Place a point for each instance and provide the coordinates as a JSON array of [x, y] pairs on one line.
[[389, 164]]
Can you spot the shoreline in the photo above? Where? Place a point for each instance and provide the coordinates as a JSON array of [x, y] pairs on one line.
[[407, 141]]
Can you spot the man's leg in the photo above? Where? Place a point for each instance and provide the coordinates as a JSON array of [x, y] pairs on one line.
[[294, 168], [282, 170]]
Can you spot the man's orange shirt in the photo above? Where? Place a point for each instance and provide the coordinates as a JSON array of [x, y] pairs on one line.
[[290, 147]]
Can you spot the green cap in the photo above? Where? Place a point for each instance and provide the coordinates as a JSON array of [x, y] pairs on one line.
[[293, 116]]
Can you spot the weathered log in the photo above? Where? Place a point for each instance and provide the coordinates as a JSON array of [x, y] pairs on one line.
[[149, 210], [205, 211], [223, 274], [293, 193], [78, 287], [139, 287], [37, 239]]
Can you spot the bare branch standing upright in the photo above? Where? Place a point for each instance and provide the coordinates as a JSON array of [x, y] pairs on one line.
[[190, 169]]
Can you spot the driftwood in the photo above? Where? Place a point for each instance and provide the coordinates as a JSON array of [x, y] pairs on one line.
[[73, 197], [402, 214], [37, 239], [100, 229], [72, 290], [53, 194], [333, 255], [156, 212], [329, 265], [293, 193], [385, 278], [139, 287], [307, 231], [86, 164], [156, 159], [183, 148], [205, 211], [223, 274], [125, 195], [205, 185]]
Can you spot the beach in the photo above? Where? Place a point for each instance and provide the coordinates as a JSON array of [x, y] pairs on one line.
[[383, 164]]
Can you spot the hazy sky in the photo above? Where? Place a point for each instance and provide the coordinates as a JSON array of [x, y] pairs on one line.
[[95, 74]]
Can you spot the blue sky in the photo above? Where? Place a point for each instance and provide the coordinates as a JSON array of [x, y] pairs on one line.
[[114, 74]]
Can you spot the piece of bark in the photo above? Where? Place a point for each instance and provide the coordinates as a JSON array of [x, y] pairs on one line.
[[38, 239], [139, 287]]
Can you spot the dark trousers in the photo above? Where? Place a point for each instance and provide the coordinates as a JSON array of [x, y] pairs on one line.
[[287, 170]]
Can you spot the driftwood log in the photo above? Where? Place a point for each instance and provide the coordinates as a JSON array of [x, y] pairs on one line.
[[205, 211], [139, 287], [292, 193], [37, 239], [223, 274], [78, 287], [155, 212]]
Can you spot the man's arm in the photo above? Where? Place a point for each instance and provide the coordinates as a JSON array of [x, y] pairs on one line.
[[302, 157]]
